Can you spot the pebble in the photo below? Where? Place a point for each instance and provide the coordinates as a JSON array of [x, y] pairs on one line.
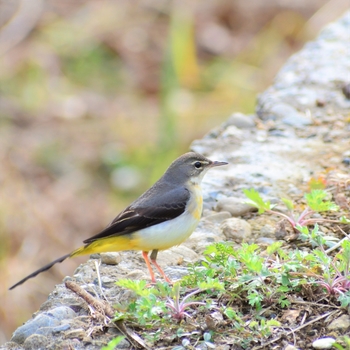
[[176, 272], [50, 319], [106, 281], [235, 229], [84, 272], [340, 323], [268, 230], [323, 343], [233, 134], [176, 255], [346, 160], [346, 90], [291, 347], [235, 206], [35, 341], [217, 218], [137, 274], [265, 241], [241, 121], [111, 258], [75, 334], [206, 233]]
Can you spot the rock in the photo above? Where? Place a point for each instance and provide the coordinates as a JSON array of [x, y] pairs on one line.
[[41, 322], [217, 218], [290, 347], [235, 206], [75, 334], [137, 274], [323, 343], [287, 114], [346, 90], [35, 341], [268, 230], [232, 134], [341, 323], [83, 273], [176, 272], [112, 258], [235, 229], [176, 255], [265, 241], [62, 313], [205, 234], [240, 121], [106, 281], [48, 331]]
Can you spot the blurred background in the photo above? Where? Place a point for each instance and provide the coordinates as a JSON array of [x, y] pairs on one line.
[[98, 97]]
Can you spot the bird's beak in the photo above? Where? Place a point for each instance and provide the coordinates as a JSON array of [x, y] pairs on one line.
[[215, 163]]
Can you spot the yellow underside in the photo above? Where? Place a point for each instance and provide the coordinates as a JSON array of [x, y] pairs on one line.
[[111, 244]]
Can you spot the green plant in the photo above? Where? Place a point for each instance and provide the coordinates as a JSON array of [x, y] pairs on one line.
[[316, 203], [176, 306], [315, 237], [146, 309], [245, 272], [335, 277], [113, 343], [345, 340], [263, 328], [251, 279]]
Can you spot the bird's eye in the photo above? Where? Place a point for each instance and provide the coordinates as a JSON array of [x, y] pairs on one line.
[[197, 164]]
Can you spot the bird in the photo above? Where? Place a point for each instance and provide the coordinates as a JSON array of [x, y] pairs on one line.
[[162, 217]]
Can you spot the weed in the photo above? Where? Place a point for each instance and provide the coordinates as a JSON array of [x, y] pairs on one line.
[[113, 343], [251, 279], [316, 203], [176, 306]]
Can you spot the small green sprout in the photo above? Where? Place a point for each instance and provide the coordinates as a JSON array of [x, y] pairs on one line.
[[113, 343], [316, 203]]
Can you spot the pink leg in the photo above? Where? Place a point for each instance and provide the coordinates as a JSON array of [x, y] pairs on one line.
[[154, 262], [145, 256], [161, 271]]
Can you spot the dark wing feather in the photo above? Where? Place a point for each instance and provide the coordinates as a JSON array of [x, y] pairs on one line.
[[145, 212]]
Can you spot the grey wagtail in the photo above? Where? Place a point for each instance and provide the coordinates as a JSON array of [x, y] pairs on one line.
[[164, 216]]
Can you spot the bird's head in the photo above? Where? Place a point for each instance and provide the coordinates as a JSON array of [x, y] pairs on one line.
[[190, 167]]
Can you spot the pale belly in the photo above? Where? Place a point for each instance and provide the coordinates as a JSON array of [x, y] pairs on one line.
[[166, 234], [172, 232]]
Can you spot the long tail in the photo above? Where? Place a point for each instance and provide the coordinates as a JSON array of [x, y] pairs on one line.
[[44, 268], [109, 244]]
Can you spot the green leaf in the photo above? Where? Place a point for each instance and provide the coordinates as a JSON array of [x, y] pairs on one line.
[[273, 322], [344, 256], [207, 336], [256, 200], [315, 200], [344, 220], [302, 229], [139, 287], [344, 299], [231, 314], [113, 343], [274, 247], [289, 204], [283, 301], [211, 283], [255, 298]]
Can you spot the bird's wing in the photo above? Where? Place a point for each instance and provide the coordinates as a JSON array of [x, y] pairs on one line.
[[145, 212]]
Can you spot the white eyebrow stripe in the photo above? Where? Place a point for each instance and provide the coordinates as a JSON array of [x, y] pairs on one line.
[[201, 161]]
